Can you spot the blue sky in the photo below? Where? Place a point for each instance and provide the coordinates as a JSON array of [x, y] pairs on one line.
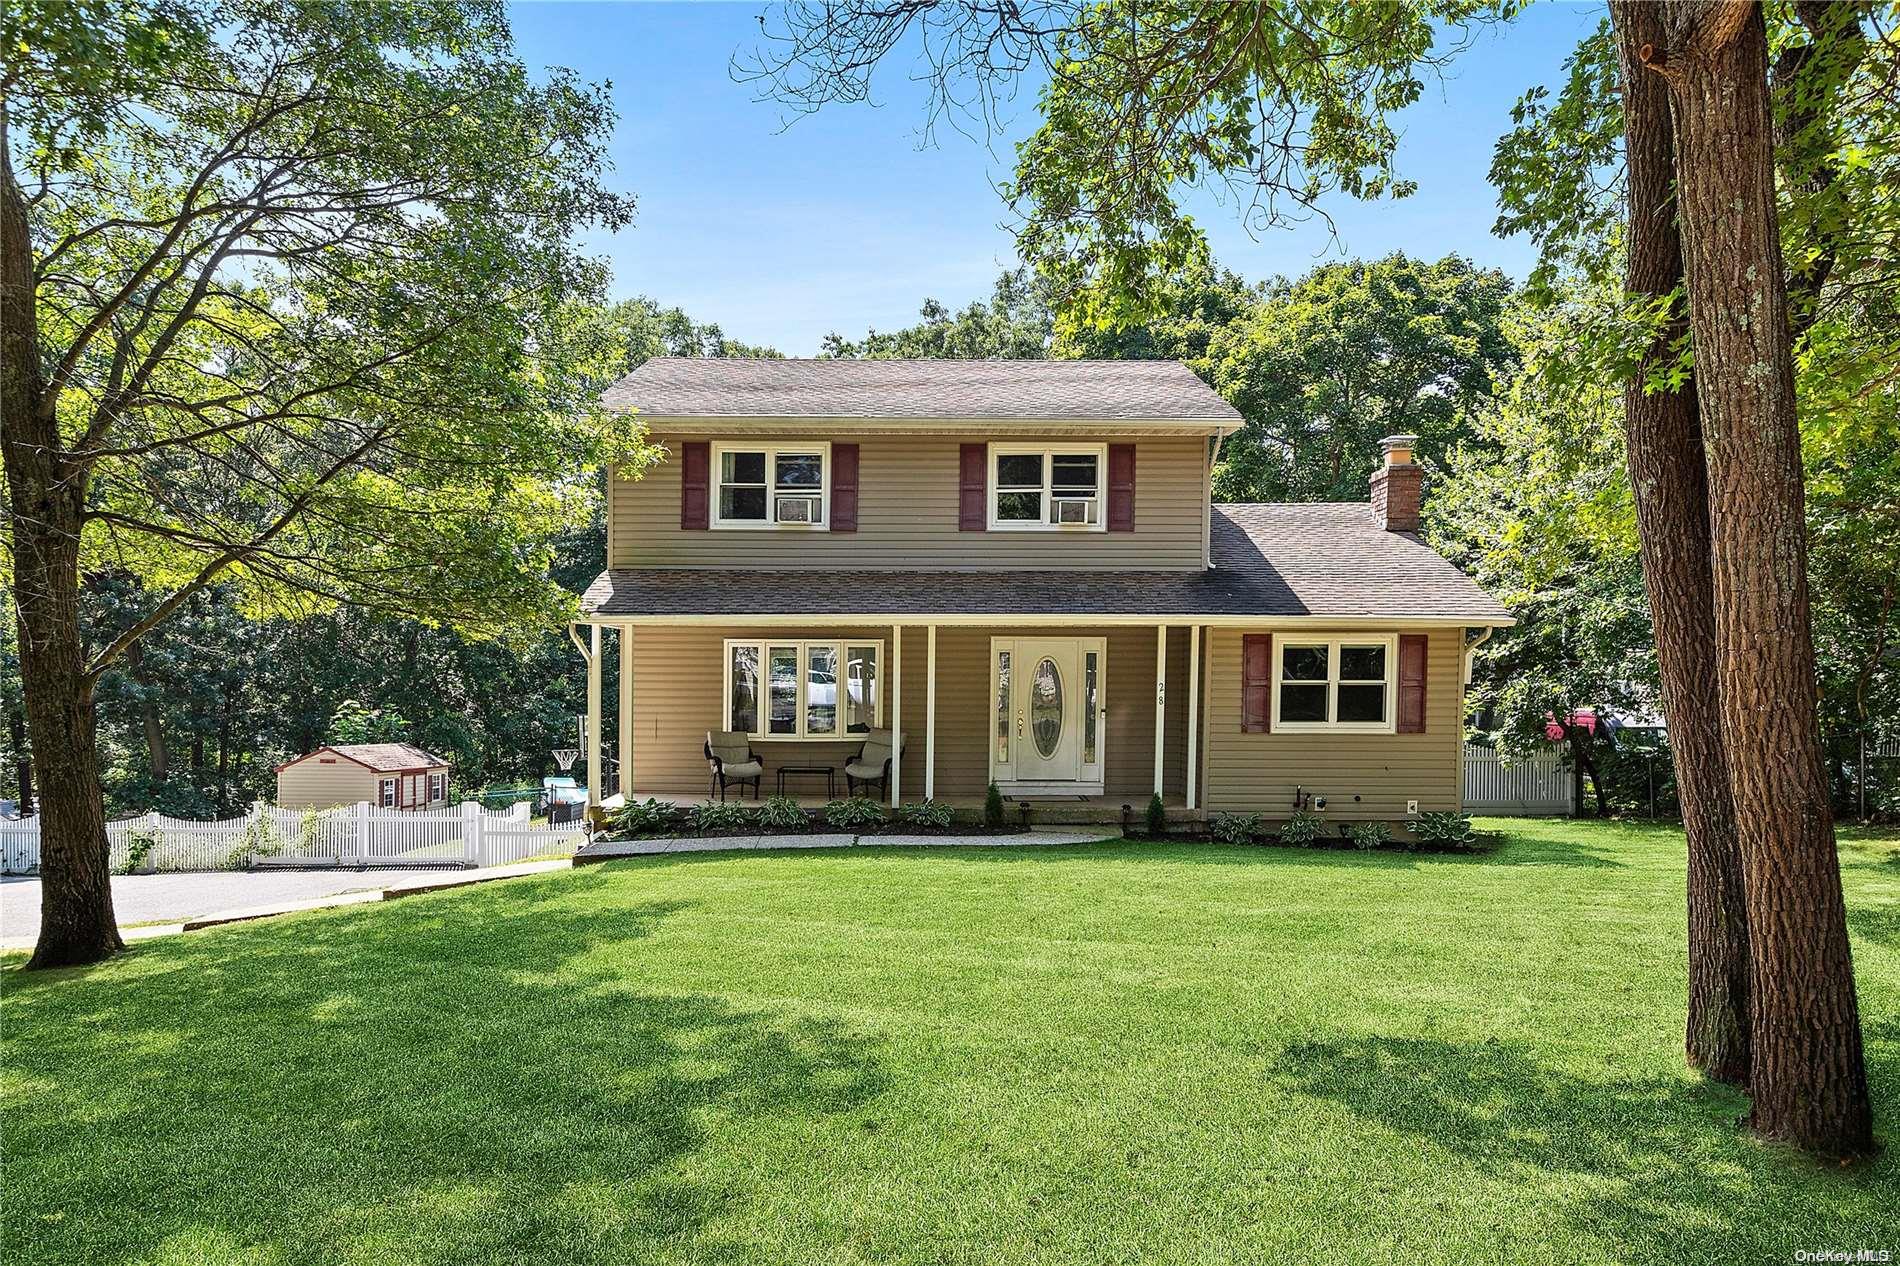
[[843, 221]]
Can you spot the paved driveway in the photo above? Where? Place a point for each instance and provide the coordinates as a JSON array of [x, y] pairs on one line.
[[171, 898]]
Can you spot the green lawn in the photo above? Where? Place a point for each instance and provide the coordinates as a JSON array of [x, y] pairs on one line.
[[1116, 1053]]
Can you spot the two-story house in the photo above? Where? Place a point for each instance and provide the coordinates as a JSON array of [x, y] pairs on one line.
[[1017, 567]]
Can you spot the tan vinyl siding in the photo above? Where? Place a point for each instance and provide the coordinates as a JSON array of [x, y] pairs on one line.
[[679, 679], [311, 784], [1260, 772], [907, 516]]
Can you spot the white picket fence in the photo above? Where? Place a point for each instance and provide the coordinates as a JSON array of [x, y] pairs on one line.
[[352, 835], [1541, 786]]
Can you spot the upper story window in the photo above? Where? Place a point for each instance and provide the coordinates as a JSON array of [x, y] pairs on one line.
[[771, 486], [1047, 487], [1342, 683]]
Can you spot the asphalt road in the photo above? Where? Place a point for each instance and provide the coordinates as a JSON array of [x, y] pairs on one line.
[[171, 898]]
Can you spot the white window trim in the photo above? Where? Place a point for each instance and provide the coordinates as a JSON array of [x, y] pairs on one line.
[[821, 448], [438, 787], [385, 793], [843, 646], [1332, 643], [1049, 452]]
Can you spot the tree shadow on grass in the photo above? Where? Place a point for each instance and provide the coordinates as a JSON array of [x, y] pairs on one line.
[[432, 1080], [1657, 1167]]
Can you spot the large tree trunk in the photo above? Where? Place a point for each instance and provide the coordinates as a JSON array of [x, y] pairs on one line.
[[22, 758], [1671, 486], [1808, 1078], [45, 500]]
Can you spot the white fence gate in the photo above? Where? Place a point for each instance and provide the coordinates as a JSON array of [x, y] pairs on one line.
[[1541, 786], [353, 835]]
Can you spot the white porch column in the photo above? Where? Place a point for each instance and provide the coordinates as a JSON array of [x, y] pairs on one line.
[[593, 716], [930, 713], [625, 750], [897, 708], [1193, 706], [1161, 703]]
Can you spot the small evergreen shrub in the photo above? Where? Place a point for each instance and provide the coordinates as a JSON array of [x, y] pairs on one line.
[[721, 818], [855, 814], [1157, 817], [781, 813], [646, 817], [1445, 830], [1303, 828], [925, 815], [1236, 828], [1366, 835], [993, 808]]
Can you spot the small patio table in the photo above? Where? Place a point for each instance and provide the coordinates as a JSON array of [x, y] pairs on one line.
[[831, 777]]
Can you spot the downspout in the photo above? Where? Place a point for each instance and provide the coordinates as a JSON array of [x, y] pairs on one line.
[[1471, 649], [1207, 506]]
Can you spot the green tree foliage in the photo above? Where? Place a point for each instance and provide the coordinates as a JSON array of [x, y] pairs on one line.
[[1325, 366], [1014, 325], [354, 723], [1835, 70], [1537, 507], [1273, 106]]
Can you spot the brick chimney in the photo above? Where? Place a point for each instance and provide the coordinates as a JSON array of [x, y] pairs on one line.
[[1397, 485]]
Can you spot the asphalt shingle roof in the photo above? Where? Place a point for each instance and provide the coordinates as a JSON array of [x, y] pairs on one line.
[[1323, 560], [1077, 390], [385, 757]]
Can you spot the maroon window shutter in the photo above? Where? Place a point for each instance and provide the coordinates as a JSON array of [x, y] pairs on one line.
[[1411, 683], [973, 485], [1256, 683], [695, 469], [844, 487], [1121, 487]]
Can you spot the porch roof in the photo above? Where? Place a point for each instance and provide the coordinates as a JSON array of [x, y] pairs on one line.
[[1326, 560]]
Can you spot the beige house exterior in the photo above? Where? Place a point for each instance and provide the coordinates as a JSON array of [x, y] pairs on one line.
[[1016, 566], [387, 775]]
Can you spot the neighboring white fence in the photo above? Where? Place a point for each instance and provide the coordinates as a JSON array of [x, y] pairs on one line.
[[353, 835], [1540, 786]]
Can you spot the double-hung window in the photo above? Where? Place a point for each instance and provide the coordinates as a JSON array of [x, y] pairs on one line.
[[386, 793], [1043, 487], [787, 689], [771, 485], [438, 787], [1334, 683]]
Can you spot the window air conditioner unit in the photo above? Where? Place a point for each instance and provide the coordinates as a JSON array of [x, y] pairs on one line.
[[798, 510], [1073, 509]]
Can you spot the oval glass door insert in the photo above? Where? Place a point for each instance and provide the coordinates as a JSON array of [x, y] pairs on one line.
[[1045, 708]]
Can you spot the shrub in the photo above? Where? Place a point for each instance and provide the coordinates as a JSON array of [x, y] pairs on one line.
[[1157, 819], [1304, 827], [781, 813], [854, 814], [138, 847], [1236, 828], [717, 817], [646, 817], [1369, 834], [929, 815], [993, 808], [1444, 829]]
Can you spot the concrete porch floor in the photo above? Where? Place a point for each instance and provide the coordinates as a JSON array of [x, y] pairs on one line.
[[1042, 809]]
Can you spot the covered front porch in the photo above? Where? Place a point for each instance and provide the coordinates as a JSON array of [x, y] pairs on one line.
[[1075, 720]]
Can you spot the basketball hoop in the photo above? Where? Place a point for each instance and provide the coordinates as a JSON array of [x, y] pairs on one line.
[[564, 757]]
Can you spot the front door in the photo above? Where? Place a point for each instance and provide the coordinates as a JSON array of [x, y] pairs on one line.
[[1047, 712]]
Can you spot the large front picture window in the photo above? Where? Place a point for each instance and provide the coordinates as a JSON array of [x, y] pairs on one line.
[[765, 486], [1334, 684], [1036, 487], [790, 689]]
